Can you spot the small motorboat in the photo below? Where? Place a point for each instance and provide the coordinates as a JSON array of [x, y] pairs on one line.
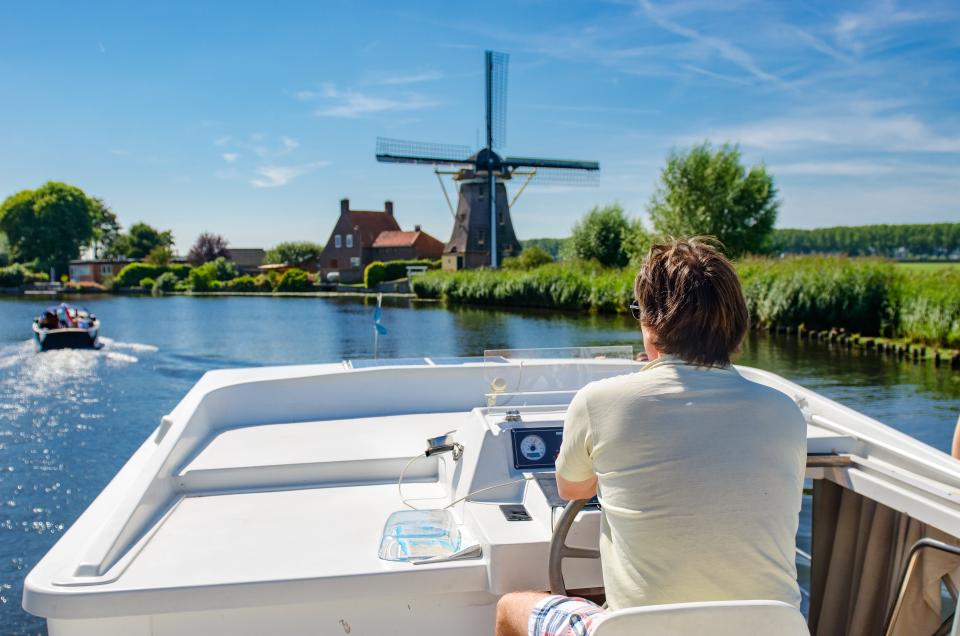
[[65, 326]]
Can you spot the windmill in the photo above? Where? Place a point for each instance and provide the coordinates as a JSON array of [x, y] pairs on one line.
[[482, 220]]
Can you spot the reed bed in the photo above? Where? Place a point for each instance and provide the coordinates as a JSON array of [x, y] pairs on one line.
[[929, 308], [861, 295]]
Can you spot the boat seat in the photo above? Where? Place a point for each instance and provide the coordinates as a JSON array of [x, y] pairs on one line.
[[714, 618]]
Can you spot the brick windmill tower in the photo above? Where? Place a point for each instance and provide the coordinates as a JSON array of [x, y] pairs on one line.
[[481, 220]]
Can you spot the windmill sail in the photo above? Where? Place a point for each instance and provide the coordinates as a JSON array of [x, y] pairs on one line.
[[496, 94], [563, 164], [402, 151]]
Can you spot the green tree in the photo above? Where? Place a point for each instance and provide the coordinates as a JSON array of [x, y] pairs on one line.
[[160, 255], [925, 240], [48, 225], [4, 250], [709, 192], [293, 252], [553, 246], [106, 227], [140, 241], [531, 257], [605, 235]]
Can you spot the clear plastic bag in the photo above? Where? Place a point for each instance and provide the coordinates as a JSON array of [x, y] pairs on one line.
[[410, 535]]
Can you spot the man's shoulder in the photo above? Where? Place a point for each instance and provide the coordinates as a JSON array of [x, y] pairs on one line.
[[628, 383]]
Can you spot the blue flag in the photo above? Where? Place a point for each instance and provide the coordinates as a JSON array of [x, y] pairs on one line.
[[376, 322]]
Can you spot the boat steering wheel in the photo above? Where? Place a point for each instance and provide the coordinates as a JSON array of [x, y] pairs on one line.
[[559, 550]]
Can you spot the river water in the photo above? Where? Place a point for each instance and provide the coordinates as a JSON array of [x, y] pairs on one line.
[[70, 419]]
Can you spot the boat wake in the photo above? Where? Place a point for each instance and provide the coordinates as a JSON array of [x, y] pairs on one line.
[[111, 344], [46, 368]]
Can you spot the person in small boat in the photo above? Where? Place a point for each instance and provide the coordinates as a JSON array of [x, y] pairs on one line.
[[49, 320], [699, 471]]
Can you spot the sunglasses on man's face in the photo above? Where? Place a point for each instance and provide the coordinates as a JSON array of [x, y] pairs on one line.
[[635, 310]]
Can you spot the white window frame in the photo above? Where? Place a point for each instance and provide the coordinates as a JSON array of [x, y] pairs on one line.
[[106, 269], [337, 241], [354, 261], [349, 240]]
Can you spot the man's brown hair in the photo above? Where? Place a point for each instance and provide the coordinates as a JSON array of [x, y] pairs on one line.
[[690, 297]]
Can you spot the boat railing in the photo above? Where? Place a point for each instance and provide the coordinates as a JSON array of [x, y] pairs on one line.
[[906, 568]]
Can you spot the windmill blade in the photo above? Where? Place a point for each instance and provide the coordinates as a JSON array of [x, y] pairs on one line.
[[558, 177], [560, 164], [401, 151], [496, 94]]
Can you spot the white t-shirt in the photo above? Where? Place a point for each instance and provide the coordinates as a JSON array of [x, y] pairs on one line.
[[700, 475]]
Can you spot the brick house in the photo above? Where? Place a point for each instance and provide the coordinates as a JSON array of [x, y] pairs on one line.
[[394, 245], [96, 270], [350, 246]]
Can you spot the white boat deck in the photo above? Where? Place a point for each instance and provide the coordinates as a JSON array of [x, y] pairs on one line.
[[224, 509]]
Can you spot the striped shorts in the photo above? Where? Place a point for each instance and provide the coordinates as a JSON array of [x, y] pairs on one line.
[[563, 616]]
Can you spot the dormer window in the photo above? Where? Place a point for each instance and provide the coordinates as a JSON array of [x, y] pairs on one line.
[[337, 241], [349, 240]]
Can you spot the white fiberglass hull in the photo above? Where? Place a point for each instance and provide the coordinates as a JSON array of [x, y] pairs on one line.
[[257, 504]]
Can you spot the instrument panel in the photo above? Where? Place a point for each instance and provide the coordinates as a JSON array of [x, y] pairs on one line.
[[536, 447]]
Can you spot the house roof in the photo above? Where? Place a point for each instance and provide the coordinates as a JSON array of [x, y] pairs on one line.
[[371, 224], [247, 256], [396, 238], [100, 261]]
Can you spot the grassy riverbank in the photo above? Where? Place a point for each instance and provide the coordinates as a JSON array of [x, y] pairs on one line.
[[868, 296]]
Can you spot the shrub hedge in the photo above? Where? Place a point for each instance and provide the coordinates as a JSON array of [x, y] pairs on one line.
[[247, 284], [165, 283], [294, 280], [132, 274], [379, 272]]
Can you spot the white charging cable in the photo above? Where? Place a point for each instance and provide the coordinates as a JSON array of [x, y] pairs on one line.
[[456, 501], [400, 480]]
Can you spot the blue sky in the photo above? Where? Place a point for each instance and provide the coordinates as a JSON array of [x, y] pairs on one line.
[[253, 119]]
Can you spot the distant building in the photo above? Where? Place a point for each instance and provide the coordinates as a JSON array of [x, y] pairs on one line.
[[394, 245], [96, 270], [247, 259], [350, 246]]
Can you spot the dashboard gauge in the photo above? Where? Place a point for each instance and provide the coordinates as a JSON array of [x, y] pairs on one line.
[[533, 448]]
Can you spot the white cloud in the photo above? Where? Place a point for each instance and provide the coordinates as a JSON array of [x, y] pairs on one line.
[[352, 104], [891, 133], [276, 176], [413, 78], [288, 144], [853, 29], [833, 168], [260, 145], [724, 48]]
